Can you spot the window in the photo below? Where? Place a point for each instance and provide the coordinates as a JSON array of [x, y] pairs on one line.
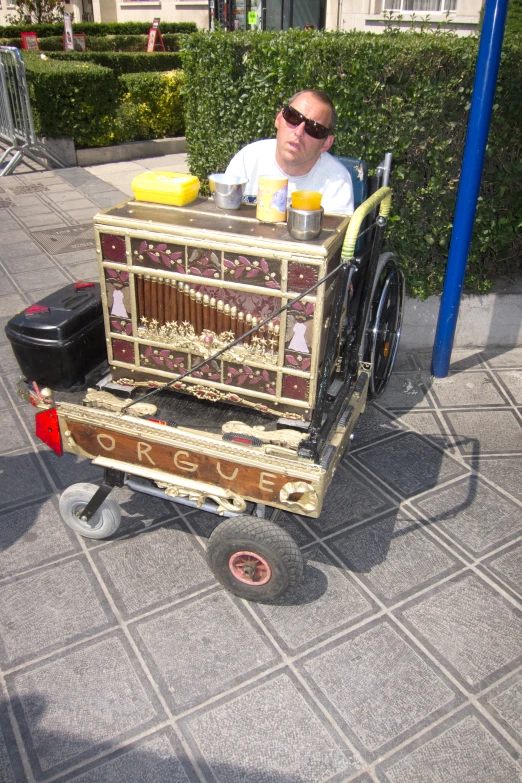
[[428, 6]]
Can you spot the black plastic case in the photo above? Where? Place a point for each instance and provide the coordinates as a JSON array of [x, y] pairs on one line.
[[60, 338]]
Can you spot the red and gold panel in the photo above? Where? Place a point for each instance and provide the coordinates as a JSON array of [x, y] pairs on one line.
[[251, 378], [253, 270], [296, 388], [204, 262], [301, 277], [123, 351], [168, 359], [161, 256], [113, 248]]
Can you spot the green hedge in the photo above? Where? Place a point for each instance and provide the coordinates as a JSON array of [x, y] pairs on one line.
[[95, 107], [405, 92], [77, 100], [514, 18], [123, 62], [151, 106], [103, 43], [95, 28]]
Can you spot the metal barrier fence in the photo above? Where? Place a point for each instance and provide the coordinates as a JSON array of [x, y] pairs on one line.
[[16, 119]]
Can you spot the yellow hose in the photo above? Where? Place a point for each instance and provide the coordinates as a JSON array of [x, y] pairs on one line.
[[383, 197]]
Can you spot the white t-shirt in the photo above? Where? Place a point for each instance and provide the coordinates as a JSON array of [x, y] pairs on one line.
[[327, 176]]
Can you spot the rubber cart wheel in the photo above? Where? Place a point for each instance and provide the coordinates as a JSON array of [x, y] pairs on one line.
[[254, 558], [104, 522], [385, 322]]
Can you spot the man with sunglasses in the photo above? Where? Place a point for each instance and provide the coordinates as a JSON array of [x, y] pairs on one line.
[[305, 127]]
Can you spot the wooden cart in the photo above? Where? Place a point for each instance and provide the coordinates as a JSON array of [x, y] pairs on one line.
[[240, 360]]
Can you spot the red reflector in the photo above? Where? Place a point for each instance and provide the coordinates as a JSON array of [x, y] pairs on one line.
[[48, 430], [82, 284], [158, 421], [36, 308], [239, 439]]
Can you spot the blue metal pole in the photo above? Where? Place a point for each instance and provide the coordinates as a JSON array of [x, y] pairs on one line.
[[488, 60]]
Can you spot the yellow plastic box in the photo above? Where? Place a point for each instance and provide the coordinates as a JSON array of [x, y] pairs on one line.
[[165, 187]]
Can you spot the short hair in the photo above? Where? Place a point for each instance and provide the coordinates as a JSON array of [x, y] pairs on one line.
[[322, 97]]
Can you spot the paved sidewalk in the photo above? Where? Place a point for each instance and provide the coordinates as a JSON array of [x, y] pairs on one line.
[[398, 661], [120, 175]]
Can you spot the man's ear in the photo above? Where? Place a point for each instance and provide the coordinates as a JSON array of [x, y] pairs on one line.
[[328, 143], [277, 120]]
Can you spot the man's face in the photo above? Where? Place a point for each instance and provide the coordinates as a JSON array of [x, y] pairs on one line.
[[296, 151]]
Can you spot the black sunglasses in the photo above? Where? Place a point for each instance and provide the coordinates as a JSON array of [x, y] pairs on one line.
[[312, 128]]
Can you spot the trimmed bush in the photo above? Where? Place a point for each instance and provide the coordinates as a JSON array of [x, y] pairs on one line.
[[123, 62], [404, 92], [77, 100], [95, 28], [151, 107], [103, 43]]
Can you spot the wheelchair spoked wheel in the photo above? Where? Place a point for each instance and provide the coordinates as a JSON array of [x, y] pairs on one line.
[[385, 322]]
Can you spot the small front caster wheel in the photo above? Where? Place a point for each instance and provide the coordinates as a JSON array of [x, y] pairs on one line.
[[254, 558], [104, 522]]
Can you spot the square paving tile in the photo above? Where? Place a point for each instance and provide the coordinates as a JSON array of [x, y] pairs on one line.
[[394, 557], [461, 359], [505, 704], [503, 357], [381, 689], [406, 391], [16, 237], [505, 472], [350, 499], [11, 769], [21, 478], [24, 250], [473, 629], [48, 609], [507, 566], [409, 464], [33, 535], [31, 210], [57, 703], [512, 380], [327, 601], [69, 468], [8, 225], [473, 514], [13, 435], [6, 286], [22, 263], [158, 758], [201, 648], [268, 733], [462, 749], [138, 512], [34, 281], [151, 568], [486, 431], [426, 423], [467, 388], [75, 176], [5, 402], [11, 304], [373, 425], [109, 199]]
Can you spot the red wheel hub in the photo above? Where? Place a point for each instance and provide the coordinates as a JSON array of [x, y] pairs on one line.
[[250, 568]]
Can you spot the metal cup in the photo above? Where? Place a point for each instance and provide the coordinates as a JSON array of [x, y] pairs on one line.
[[305, 224], [227, 190]]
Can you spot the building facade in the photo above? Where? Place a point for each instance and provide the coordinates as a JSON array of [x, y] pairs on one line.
[[462, 16]]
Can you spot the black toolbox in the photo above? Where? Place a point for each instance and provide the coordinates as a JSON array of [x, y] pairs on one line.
[[60, 338]]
